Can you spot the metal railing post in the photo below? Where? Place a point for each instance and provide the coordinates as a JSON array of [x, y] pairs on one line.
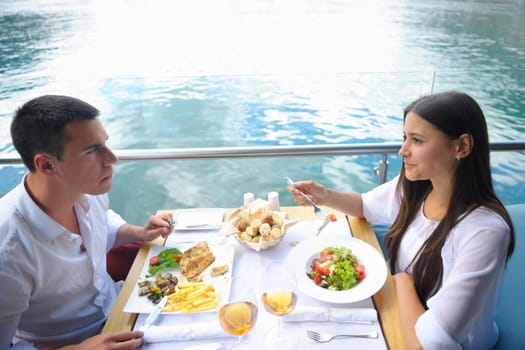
[[382, 170]]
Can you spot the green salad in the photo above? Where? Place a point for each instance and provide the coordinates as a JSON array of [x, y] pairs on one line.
[[336, 268], [167, 259]]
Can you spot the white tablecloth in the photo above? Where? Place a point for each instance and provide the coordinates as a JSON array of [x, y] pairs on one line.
[[250, 264]]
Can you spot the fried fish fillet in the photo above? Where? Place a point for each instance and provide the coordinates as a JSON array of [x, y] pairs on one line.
[[219, 270], [195, 260]]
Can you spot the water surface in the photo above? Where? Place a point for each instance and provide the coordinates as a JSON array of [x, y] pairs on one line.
[[241, 73]]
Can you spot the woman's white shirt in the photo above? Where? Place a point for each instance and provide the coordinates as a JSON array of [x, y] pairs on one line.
[[461, 313]]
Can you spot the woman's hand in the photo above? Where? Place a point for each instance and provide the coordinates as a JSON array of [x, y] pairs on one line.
[[349, 203], [313, 190], [121, 340], [410, 308]]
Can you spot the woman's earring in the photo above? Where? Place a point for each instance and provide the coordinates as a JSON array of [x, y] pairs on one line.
[[458, 159]]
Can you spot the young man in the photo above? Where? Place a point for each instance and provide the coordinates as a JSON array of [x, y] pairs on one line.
[[56, 228]]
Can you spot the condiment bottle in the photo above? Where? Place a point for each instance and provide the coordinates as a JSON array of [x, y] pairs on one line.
[[273, 200], [248, 198]]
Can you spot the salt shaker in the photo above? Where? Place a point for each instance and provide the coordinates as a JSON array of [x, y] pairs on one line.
[[248, 198], [273, 200]]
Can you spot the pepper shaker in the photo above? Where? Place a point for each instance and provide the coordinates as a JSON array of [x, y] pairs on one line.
[[273, 199], [248, 198]]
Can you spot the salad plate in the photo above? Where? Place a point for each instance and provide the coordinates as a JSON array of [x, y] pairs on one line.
[[301, 256]]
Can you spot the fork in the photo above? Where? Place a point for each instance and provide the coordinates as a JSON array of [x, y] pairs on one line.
[[322, 337], [317, 210]]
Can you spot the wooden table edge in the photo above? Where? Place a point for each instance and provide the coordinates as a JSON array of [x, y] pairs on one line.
[[118, 320], [385, 299]]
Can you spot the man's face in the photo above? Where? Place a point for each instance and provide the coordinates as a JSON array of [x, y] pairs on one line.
[[87, 163]]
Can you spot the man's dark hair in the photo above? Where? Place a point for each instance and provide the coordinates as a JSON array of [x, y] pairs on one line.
[[39, 125]]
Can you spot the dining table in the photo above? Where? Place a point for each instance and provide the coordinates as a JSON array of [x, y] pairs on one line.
[[384, 301]]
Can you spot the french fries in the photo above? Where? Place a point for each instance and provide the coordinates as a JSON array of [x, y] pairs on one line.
[[192, 297]]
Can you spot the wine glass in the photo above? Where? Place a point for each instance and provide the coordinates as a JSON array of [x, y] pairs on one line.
[[279, 297], [239, 315]]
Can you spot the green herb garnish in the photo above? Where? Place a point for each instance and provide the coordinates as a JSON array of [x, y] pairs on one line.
[[167, 259]]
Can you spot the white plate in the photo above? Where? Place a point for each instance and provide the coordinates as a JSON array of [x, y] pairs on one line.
[[301, 256], [224, 254], [198, 219]]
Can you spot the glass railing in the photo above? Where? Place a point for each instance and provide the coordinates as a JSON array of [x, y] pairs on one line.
[[231, 134]]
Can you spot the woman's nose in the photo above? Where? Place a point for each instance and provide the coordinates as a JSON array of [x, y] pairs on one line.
[[403, 150]]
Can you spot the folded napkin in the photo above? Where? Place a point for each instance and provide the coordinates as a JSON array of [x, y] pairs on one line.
[[327, 314], [191, 331]]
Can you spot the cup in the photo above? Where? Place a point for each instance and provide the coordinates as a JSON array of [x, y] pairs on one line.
[[238, 316], [279, 297]]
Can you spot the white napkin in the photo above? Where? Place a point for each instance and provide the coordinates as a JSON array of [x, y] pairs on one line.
[[331, 314], [190, 331]]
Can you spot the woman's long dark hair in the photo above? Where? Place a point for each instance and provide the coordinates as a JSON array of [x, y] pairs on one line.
[[455, 114]]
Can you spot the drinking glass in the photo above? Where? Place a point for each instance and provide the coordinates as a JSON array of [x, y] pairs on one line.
[[279, 297], [239, 315]]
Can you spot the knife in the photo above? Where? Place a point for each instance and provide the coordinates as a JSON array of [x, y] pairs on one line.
[[155, 313], [321, 227]]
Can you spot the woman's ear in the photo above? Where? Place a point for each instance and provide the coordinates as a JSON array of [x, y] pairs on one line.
[[44, 163], [464, 145]]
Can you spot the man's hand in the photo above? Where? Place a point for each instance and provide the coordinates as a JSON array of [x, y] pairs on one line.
[[121, 340], [154, 227], [157, 226]]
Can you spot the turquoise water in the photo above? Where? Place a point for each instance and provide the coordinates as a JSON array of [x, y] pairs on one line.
[[243, 73]]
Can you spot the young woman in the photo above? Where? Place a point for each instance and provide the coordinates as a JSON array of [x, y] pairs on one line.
[[450, 235]]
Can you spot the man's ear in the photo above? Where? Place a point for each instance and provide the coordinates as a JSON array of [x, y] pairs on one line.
[[44, 163], [464, 146]]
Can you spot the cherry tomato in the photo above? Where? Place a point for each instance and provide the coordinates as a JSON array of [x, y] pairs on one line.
[[331, 217], [326, 256], [360, 268], [177, 256], [324, 270], [154, 260], [317, 279]]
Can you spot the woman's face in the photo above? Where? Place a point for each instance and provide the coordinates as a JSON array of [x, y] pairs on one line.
[[427, 152]]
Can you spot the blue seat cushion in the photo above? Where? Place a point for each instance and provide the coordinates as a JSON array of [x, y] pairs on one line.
[[380, 231], [511, 308]]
